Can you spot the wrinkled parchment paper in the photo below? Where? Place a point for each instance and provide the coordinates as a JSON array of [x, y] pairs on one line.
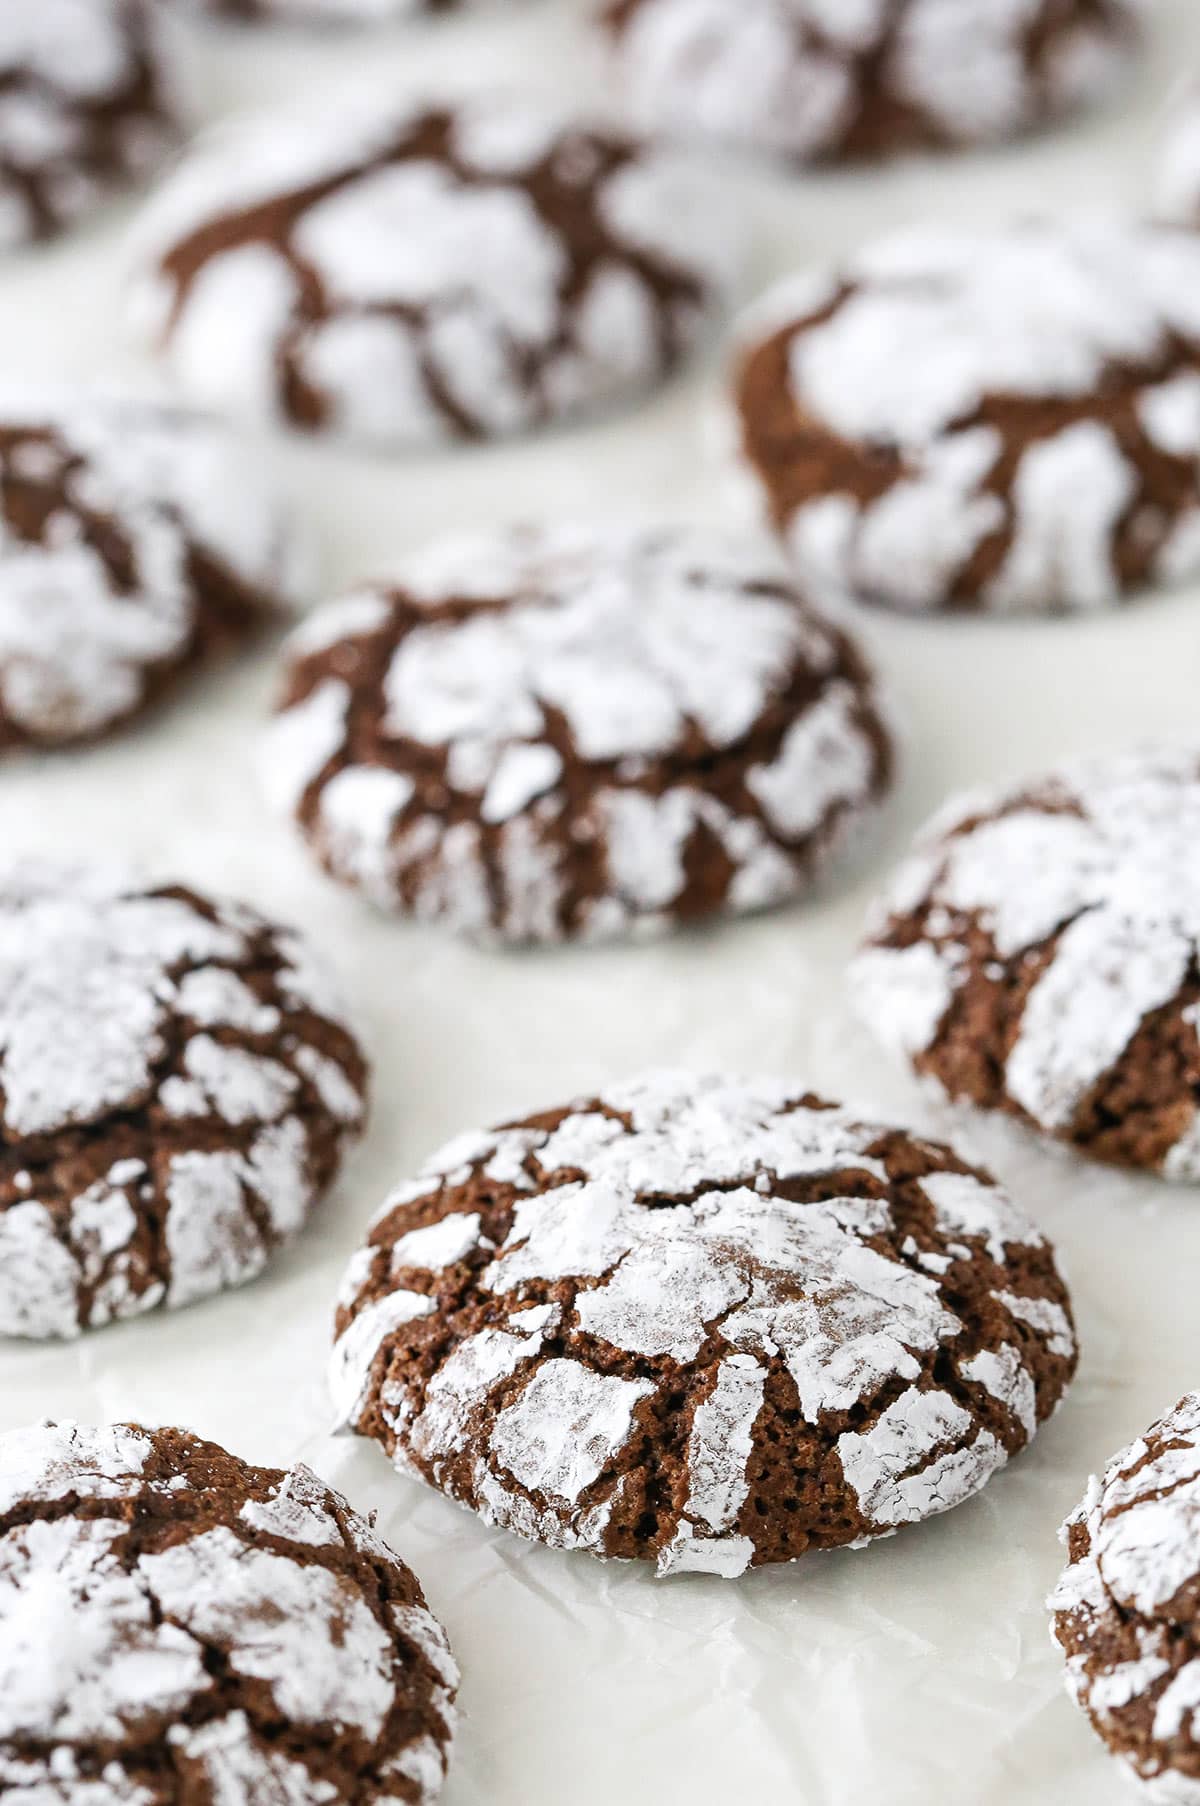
[[919, 1671]]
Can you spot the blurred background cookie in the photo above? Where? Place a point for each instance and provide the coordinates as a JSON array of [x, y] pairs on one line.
[[86, 105], [823, 79], [136, 542], [405, 274]]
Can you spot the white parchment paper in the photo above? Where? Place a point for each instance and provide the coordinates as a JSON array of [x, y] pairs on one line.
[[919, 1670]]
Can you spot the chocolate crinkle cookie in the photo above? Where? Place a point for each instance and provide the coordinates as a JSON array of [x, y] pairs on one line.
[[823, 79], [1038, 955], [135, 542], [701, 1322], [87, 104], [178, 1087], [429, 272], [180, 1629], [921, 436], [1127, 1608], [578, 733]]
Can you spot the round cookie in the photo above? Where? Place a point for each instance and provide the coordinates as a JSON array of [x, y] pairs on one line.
[[1037, 955], [1125, 1610], [135, 543], [819, 79], [701, 1322], [86, 105], [578, 733], [176, 1625], [428, 272], [178, 1089], [922, 436]]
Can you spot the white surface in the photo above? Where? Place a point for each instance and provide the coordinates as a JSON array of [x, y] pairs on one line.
[[920, 1670]]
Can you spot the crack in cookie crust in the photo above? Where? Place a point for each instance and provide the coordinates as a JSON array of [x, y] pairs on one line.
[[1046, 462], [177, 1089], [1038, 955], [575, 733], [178, 1626], [815, 80], [703, 1323]]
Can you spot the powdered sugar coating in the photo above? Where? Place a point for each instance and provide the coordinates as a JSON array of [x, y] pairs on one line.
[[179, 1618], [680, 1292], [163, 1131], [407, 273], [1049, 459], [134, 540], [1124, 1609], [1177, 176], [553, 730], [805, 79], [330, 12], [86, 104], [1066, 914]]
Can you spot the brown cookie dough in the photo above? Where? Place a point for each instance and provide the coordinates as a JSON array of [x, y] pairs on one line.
[[426, 272], [1038, 955], [817, 79], [922, 437], [136, 542], [86, 105], [178, 1089], [1126, 1611], [701, 1322], [180, 1629], [578, 733]]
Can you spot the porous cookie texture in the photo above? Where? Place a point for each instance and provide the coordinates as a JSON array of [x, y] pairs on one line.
[[178, 1087], [135, 542], [86, 104], [1048, 458], [822, 79], [701, 1322], [1037, 954], [578, 732], [1177, 178], [422, 273], [1126, 1608], [178, 1627]]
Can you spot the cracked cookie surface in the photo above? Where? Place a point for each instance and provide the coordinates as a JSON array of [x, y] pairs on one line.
[[177, 1089], [428, 272], [1125, 1611], [136, 542], [1049, 458], [86, 105], [1037, 955], [701, 1322], [577, 733], [817, 79], [179, 1627]]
